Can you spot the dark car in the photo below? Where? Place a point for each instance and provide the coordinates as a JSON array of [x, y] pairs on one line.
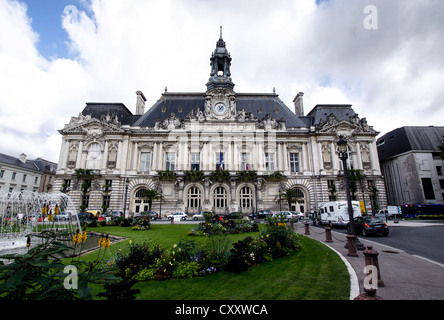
[[370, 225], [85, 216], [150, 214], [261, 214], [233, 216]]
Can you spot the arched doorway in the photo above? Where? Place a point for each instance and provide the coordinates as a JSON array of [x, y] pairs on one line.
[[140, 204], [299, 203]]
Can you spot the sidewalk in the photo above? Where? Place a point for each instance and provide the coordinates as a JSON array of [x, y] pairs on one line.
[[405, 276]]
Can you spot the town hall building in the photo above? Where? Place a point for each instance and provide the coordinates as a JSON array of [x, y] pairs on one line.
[[217, 150]]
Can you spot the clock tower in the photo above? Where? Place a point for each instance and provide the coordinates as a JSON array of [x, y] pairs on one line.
[[220, 76], [220, 99]]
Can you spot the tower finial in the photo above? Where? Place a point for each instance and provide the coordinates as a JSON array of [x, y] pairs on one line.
[[221, 33]]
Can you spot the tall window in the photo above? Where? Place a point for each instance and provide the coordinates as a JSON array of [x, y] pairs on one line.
[[195, 161], [269, 162], [294, 162], [220, 198], [220, 164], [194, 197], [246, 198], [245, 163], [94, 157], [170, 161], [145, 162]]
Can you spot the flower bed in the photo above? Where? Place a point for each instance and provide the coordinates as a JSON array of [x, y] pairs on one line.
[[189, 258]]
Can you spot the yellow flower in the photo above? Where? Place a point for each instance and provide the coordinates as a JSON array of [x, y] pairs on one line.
[[76, 238], [50, 217], [83, 236]]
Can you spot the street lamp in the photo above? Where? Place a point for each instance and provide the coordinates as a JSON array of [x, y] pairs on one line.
[[343, 155], [126, 195]]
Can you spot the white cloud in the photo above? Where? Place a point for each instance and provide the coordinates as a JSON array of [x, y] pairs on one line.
[[393, 75]]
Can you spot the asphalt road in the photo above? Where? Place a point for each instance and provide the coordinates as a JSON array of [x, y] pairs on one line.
[[427, 242]]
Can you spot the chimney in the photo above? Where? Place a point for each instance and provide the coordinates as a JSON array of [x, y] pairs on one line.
[[140, 106], [299, 104], [22, 158]]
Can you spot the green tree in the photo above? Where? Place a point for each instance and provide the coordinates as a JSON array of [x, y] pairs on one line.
[[151, 195], [290, 196]]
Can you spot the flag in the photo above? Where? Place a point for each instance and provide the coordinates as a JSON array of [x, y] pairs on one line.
[[221, 159]]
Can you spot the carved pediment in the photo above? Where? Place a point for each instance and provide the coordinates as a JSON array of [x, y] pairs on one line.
[[93, 127], [354, 124], [170, 123]]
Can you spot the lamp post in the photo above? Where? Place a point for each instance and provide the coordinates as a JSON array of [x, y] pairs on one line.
[[343, 155], [126, 195]]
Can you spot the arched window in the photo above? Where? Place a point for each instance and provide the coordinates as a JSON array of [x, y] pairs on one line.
[[93, 160], [246, 198], [194, 198], [220, 198]]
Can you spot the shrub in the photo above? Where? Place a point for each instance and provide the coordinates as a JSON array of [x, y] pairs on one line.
[[281, 240], [186, 270], [139, 256], [141, 223]]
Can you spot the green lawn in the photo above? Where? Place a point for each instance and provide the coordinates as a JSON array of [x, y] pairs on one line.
[[315, 273]]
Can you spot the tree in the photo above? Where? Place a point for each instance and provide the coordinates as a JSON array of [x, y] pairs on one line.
[[291, 196], [151, 195]]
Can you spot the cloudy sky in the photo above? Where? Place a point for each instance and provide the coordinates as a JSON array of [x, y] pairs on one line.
[[55, 55]]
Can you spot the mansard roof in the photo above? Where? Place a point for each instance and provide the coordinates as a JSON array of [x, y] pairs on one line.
[[321, 112], [99, 110], [182, 104]]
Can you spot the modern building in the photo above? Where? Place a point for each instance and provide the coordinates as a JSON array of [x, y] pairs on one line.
[[218, 150], [22, 174], [412, 166]]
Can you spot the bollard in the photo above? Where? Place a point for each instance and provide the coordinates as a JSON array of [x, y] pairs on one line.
[[328, 234], [370, 294], [172, 220], [292, 224], [351, 246], [371, 258], [307, 229]]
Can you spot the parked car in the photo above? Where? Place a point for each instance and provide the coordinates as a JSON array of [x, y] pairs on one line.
[[369, 225], [285, 215], [95, 213], [233, 216], [300, 215], [85, 216], [201, 215], [114, 214], [150, 214], [198, 216], [62, 216], [182, 216], [261, 214]]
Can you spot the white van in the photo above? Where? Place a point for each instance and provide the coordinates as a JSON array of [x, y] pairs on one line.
[[336, 213]]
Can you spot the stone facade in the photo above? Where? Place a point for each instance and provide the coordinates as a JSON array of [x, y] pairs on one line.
[[216, 150]]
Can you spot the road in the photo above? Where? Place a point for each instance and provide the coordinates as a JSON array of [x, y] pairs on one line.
[[424, 241]]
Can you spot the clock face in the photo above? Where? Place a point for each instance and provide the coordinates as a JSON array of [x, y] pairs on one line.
[[219, 108]]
